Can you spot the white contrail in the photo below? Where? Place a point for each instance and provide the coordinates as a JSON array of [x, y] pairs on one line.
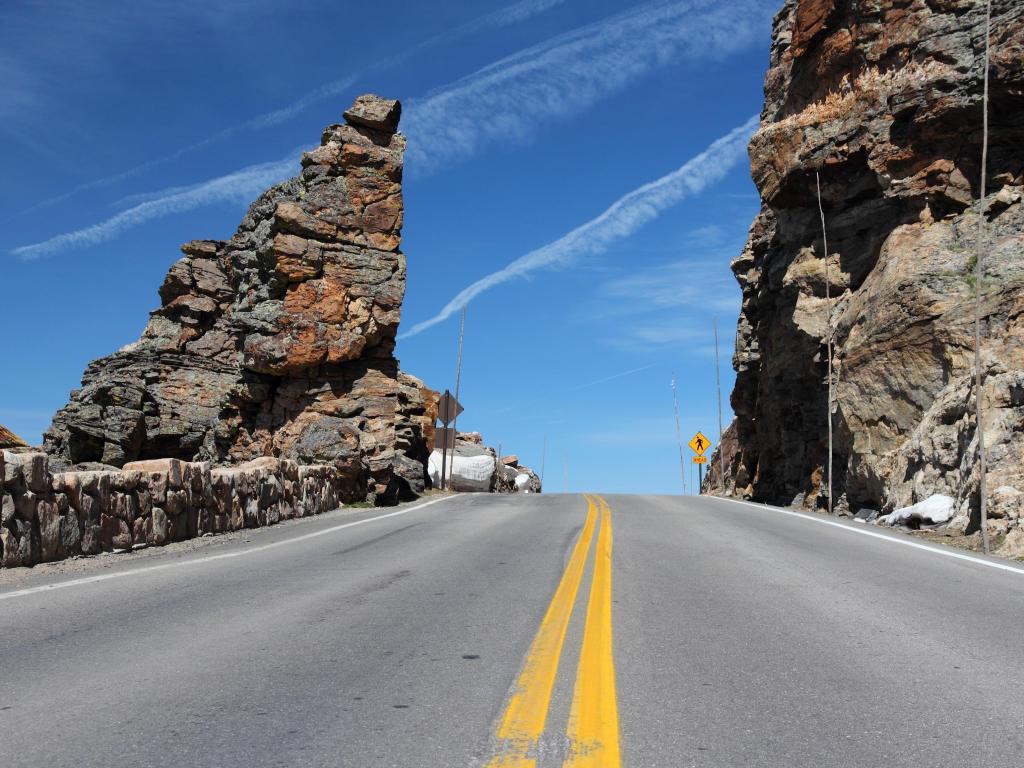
[[502, 17], [507, 98], [613, 377], [622, 218], [566, 74], [241, 186], [265, 120]]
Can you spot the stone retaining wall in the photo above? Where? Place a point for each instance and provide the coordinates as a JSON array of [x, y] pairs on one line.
[[47, 517]]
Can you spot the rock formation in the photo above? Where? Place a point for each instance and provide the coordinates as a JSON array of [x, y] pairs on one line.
[[278, 342], [883, 100]]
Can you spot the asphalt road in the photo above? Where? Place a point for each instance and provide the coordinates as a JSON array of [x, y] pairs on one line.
[[490, 631]]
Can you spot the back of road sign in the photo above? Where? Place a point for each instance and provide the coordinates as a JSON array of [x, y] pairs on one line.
[[444, 439], [448, 408]]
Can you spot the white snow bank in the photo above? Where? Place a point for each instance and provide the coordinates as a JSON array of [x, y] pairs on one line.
[[468, 473], [934, 510]]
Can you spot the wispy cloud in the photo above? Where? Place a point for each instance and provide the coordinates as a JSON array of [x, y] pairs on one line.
[[564, 75], [512, 14], [239, 186], [622, 218], [698, 283], [670, 304]]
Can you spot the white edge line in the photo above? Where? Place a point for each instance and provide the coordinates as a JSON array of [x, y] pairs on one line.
[[884, 537], [211, 558]]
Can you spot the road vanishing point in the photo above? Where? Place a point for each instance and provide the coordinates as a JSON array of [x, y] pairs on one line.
[[535, 630]]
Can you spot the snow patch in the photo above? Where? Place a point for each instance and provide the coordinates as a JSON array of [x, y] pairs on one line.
[[934, 510], [468, 473]]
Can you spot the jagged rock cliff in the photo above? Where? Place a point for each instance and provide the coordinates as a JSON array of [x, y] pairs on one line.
[[884, 100], [279, 341]]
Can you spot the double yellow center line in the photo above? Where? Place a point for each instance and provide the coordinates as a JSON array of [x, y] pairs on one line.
[[593, 729]]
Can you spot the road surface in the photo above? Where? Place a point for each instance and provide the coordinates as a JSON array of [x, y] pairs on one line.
[[528, 630]]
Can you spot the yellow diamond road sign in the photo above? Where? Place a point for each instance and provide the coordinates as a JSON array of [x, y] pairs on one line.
[[699, 444]]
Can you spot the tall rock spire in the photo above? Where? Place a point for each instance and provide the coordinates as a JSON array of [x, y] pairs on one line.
[[279, 341]]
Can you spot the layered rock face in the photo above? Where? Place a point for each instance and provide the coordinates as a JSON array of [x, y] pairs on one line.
[[883, 100], [278, 342]]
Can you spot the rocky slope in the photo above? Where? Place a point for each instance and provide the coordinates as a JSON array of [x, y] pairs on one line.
[[883, 100], [278, 342]]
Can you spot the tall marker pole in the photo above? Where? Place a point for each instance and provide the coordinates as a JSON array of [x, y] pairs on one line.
[[978, 275], [718, 386], [679, 435], [828, 335]]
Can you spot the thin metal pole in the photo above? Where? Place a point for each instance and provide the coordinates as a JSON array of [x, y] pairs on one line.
[[828, 336], [679, 435], [718, 386], [458, 382], [543, 461], [978, 274]]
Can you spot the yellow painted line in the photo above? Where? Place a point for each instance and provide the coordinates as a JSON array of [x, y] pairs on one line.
[[594, 718], [522, 723]]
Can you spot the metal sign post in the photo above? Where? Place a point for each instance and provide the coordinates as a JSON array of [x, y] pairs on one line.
[[448, 409], [699, 445]]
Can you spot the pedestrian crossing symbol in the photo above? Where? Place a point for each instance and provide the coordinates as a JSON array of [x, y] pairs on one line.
[[699, 444]]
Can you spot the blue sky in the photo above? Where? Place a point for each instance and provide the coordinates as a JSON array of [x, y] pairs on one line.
[[576, 169]]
